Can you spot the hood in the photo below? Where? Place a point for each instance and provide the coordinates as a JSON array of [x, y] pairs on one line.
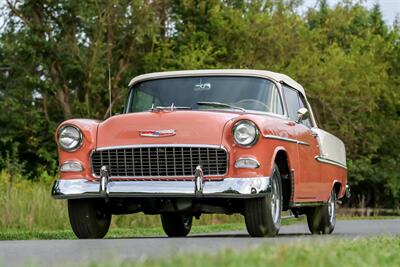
[[191, 127]]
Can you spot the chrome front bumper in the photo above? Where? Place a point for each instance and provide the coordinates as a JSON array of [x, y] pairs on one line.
[[226, 188]]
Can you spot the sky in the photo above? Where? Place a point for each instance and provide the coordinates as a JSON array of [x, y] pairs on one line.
[[389, 8]]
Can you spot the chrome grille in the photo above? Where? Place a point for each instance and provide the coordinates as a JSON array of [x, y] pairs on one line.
[[168, 161]]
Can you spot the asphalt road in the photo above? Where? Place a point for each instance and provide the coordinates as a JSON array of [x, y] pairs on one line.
[[80, 252]]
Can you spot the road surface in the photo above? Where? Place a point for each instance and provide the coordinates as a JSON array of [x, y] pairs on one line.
[[81, 252]]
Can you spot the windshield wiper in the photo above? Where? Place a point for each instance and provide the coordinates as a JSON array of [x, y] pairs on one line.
[[219, 104], [171, 108]]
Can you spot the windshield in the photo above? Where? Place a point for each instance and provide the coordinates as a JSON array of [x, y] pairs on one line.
[[199, 93]]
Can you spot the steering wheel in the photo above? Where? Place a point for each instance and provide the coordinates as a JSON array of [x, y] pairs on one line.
[[253, 101]]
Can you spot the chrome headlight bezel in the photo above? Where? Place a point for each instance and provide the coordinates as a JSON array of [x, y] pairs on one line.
[[79, 141], [254, 129]]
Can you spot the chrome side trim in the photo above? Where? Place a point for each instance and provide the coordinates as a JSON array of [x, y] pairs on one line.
[[303, 143], [329, 161], [275, 137], [306, 204], [290, 140], [226, 188]]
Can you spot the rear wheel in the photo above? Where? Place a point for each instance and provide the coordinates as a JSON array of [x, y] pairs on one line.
[[263, 215], [89, 218], [176, 224], [322, 219]]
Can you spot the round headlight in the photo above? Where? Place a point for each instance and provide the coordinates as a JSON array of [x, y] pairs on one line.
[[245, 133], [69, 138]]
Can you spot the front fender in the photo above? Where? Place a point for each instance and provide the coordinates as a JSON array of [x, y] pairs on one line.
[[89, 133]]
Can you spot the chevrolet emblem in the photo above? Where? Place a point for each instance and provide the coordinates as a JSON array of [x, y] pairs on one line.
[[157, 133]]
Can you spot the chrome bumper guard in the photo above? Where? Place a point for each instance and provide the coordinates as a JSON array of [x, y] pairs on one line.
[[226, 188]]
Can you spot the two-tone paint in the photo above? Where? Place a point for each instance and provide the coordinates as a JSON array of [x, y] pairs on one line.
[[316, 159]]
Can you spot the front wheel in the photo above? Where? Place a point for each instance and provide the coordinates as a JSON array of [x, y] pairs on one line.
[[176, 224], [322, 219], [263, 215], [89, 218]]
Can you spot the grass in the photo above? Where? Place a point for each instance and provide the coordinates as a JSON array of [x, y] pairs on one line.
[[113, 233], [26, 205], [200, 226], [382, 251], [123, 232]]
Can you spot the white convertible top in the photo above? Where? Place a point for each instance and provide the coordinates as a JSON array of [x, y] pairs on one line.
[[278, 77]]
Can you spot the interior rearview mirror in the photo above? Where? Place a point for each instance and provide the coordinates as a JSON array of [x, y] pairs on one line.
[[302, 114]]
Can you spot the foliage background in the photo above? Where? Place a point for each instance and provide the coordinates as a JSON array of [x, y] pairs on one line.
[[54, 57]]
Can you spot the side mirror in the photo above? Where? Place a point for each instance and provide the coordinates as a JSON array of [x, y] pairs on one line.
[[302, 114]]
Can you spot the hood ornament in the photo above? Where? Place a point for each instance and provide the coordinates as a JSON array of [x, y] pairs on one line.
[[157, 133]]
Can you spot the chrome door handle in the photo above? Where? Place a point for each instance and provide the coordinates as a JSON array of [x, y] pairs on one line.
[[290, 123]]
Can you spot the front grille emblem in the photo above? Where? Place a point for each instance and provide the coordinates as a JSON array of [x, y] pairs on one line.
[[157, 133]]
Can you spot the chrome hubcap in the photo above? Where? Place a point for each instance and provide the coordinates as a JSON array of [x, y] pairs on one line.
[[275, 200], [331, 210], [186, 221]]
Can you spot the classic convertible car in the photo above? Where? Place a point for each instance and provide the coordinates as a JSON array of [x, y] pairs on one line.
[[203, 141]]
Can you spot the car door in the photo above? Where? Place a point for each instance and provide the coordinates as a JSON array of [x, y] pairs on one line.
[[309, 180]]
